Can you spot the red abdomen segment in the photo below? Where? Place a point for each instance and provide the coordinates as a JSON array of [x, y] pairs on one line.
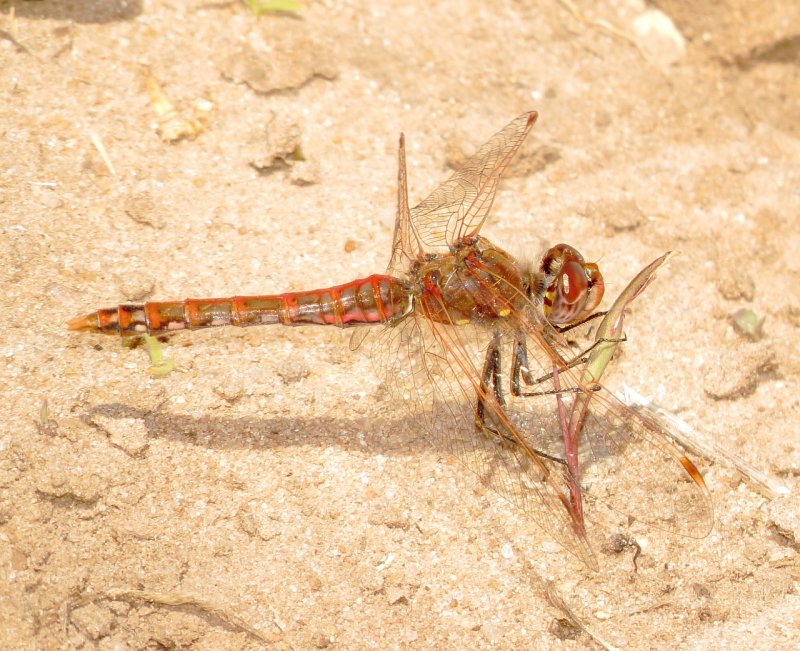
[[374, 299]]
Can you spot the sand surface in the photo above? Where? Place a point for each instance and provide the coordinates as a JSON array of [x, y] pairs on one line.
[[267, 492]]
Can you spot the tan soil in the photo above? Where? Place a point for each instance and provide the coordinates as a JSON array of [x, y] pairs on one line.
[[263, 493]]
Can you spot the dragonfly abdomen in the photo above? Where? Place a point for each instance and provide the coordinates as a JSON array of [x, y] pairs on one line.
[[374, 299]]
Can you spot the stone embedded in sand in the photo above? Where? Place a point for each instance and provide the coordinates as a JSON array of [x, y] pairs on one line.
[[294, 59], [659, 38], [740, 373]]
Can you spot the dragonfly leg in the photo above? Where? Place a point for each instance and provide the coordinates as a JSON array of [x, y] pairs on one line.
[[570, 326], [521, 371], [490, 381], [491, 385], [582, 357]]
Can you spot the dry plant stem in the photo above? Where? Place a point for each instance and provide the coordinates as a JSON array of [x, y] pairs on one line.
[[609, 332], [100, 147], [702, 444], [571, 444], [603, 25], [607, 338]]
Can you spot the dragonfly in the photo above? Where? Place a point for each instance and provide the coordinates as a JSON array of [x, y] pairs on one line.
[[472, 342]]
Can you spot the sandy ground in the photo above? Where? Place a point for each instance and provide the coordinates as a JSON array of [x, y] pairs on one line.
[[265, 493]]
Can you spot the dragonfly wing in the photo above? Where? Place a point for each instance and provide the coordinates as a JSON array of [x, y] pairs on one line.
[[629, 464], [652, 480], [433, 370], [404, 251], [358, 337], [459, 206]]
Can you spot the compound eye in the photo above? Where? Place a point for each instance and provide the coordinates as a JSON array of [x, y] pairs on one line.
[[572, 282], [596, 287]]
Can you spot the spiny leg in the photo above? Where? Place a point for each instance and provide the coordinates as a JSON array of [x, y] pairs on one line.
[[491, 377], [520, 370], [571, 326], [583, 356]]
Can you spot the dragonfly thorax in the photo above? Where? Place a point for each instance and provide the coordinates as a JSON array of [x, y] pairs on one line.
[[477, 282]]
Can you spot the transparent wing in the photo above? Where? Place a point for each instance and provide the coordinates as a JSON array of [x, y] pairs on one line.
[[628, 463], [459, 206], [359, 336], [404, 251], [433, 370], [633, 468]]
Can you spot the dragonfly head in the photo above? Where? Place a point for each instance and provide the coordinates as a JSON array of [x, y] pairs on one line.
[[572, 287]]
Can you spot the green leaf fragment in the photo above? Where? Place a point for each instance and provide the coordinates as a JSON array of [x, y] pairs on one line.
[[298, 154], [159, 366], [747, 323], [259, 7], [46, 424], [44, 414]]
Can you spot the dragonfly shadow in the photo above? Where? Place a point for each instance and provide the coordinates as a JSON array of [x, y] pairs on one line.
[[391, 436]]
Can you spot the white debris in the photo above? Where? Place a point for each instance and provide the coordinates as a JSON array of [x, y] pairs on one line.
[[659, 38]]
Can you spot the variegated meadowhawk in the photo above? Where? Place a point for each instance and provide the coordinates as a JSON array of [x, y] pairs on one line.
[[471, 342]]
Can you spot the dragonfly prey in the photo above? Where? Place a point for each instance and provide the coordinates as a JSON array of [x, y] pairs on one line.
[[470, 341]]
